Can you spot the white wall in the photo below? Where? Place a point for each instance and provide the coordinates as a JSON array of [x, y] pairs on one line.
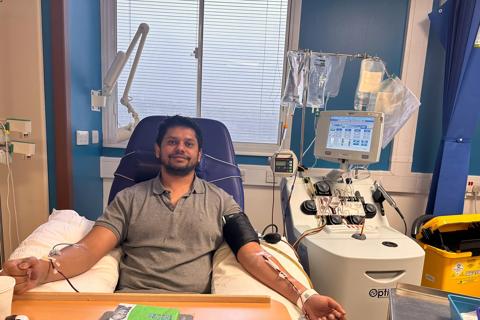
[[22, 96]]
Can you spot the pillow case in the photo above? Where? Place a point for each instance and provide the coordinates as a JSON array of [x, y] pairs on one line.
[[66, 226], [229, 277]]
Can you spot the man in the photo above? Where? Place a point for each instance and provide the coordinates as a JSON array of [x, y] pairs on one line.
[[169, 227]]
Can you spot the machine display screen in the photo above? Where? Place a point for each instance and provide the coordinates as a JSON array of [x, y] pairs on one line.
[[350, 133], [283, 165]]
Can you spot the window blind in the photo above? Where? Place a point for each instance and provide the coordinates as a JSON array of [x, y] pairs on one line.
[[243, 50], [166, 78]]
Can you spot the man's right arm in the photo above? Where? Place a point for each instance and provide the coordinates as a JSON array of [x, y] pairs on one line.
[[73, 260]]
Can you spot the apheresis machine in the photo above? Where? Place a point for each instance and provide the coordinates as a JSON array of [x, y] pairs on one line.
[[338, 222]]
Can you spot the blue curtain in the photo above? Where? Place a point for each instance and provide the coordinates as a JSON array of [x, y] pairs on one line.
[[456, 23]]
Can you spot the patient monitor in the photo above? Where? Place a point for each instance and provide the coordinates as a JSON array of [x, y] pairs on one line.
[[357, 256]]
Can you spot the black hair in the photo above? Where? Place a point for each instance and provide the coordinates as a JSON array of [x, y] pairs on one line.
[[179, 121]]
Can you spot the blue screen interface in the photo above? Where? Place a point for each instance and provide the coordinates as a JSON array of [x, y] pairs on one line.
[[350, 133]]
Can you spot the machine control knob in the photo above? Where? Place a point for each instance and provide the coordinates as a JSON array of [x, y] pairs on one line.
[[355, 219], [370, 210], [322, 188], [309, 207], [334, 219]]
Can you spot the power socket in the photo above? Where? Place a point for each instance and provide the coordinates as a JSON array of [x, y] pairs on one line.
[[470, 185], [20, 125], [25, 148], [473, 187]]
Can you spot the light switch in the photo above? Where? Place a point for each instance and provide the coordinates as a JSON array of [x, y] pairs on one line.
[[95, 137], [82, 138]]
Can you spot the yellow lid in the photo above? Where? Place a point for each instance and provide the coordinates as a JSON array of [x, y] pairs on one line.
[[450, 223]]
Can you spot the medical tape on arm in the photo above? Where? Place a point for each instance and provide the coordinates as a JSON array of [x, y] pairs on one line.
[[302, 296], [282, 275]]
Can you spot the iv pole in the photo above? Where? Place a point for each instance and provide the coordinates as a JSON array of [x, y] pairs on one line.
[[306, 81]]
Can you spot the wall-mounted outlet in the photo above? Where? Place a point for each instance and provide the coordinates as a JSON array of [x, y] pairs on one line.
[[25, 148], [23, 126], [470, 185], [270, 178], [473, 187], [95, 137], [83, 137]]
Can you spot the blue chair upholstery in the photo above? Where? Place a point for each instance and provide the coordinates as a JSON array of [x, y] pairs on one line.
[[217, 164]]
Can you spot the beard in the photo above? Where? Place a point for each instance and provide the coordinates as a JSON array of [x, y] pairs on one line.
[[179, 171]]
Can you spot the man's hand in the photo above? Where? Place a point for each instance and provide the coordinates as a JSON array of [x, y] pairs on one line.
[[319, 307], [28, 273]]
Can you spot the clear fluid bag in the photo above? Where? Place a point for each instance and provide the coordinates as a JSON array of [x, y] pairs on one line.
[[293, 92], [371, 75], [398, 103], [325, 77]]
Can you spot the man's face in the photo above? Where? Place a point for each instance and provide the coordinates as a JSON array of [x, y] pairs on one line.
[[179, 152]]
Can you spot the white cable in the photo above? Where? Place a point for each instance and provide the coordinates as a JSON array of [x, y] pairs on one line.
[[225, 178], [10, 181], [219, 160], [309, 146], [9, 215], [15, 208]]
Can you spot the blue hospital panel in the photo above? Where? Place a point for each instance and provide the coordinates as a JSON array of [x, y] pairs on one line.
[[429, 127], [375, 27]]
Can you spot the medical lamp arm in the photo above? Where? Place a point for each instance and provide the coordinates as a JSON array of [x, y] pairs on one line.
[[125, 100]]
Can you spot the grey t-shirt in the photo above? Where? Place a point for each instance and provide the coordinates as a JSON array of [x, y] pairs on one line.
[[166, 248]]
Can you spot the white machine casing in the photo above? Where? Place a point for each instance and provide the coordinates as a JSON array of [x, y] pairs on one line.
[[356, 273]]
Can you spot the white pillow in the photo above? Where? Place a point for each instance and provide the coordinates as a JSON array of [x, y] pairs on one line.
[[229, 277], [66, 226]]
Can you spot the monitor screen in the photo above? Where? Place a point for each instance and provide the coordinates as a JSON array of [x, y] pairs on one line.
[[353, 136], [350, 133]]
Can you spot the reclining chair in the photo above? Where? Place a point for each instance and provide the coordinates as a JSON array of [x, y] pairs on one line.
[[217, 164], [139, 164]]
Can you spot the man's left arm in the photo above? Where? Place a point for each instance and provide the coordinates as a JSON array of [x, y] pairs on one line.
[[253, 258], [243, 240]]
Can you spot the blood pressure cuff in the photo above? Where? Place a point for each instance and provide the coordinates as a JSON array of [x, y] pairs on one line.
[[238, 231]]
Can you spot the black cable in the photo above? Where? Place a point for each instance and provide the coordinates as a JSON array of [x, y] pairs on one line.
[[54, 268], [274, 226], [273, 200], [403, 218]]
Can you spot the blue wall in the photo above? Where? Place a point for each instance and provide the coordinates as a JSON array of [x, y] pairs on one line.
[[429, 128], [376, 27], [50, 120], [85, 59]]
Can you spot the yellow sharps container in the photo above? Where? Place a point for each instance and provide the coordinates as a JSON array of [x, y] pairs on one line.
[[452, 253]]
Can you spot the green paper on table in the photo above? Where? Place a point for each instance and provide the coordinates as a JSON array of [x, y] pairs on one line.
[[142, 312]]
